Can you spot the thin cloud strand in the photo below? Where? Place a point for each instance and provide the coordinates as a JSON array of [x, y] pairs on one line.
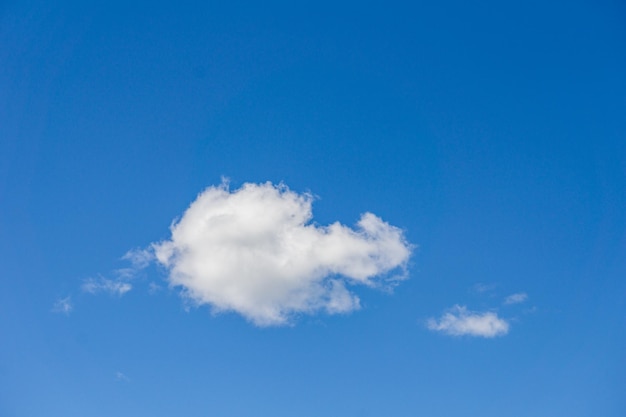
[[63, 305], [109, 286]]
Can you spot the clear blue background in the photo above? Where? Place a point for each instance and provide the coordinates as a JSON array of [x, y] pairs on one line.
[[493, 132]]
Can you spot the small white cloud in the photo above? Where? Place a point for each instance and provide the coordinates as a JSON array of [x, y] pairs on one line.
[[125, 273], [121, 377], [153, 288], [458, 321], [254, 251], [139, 259], [63, 305], [481, 288], [98, 285], [531, 310], [517, 298]]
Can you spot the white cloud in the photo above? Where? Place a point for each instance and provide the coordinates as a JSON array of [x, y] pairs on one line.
[[458, 321], [520, 297], [121, 377], [481, 288], [63, 305], [153, 288], [97, 285], [254, 251], [139, 259]]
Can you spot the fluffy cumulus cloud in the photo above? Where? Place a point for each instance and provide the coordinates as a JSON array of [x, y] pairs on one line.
[[255, 251], [459, 321]]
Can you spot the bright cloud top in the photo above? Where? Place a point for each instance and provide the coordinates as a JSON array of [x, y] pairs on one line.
[[254, 251], [458, 321]]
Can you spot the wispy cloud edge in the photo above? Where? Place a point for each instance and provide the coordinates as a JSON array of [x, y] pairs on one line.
[[105, 285], [63, 305]]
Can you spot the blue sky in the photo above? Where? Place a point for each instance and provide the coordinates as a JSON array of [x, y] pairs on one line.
[[486, 141]]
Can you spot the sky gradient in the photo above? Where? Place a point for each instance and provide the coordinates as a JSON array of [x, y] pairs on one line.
[[487, 142]]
